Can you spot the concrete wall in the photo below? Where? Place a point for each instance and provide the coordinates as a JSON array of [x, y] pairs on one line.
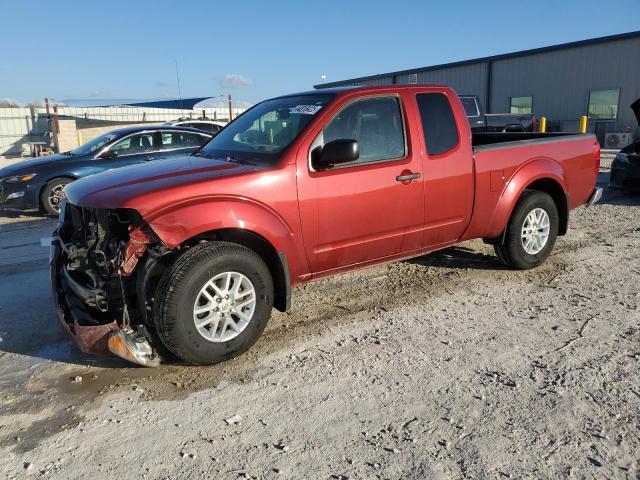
[[67, 137], [90, 132]]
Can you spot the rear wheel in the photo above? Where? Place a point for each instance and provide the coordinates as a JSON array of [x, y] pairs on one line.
[[531, 232], [52, 195], [213, 303]]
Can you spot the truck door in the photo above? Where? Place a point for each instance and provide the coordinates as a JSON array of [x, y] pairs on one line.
[[448, 168], [372, 207]]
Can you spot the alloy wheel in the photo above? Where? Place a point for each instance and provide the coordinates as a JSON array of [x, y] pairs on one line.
[[224, 307]]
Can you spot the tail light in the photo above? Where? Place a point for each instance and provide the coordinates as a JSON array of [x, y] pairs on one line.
[[534, 124], [596, 154]]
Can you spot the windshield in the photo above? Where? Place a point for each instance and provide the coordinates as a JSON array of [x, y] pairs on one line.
[[94, 144], [263, 132]]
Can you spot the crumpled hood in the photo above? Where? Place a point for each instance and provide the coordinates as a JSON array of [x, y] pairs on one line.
[[153, 185], [24, 166]]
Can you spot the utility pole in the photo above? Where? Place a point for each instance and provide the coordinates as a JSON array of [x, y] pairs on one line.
[[46, 105], [178, 80], [230, 109]]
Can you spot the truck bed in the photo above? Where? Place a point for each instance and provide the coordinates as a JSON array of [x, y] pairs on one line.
[[500, 159], [484, 139]]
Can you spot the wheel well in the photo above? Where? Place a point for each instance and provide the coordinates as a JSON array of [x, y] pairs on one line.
[[556, 192], [276, 262]]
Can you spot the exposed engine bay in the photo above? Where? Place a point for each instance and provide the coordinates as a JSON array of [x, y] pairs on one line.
[[102, 299]]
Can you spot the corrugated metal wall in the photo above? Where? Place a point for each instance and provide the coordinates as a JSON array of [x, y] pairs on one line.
[[560, 81], [369, 82], [20, 125], [464, 79]]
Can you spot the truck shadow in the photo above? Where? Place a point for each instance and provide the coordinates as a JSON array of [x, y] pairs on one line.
[[9, 213], [458, 257], [616, 197]]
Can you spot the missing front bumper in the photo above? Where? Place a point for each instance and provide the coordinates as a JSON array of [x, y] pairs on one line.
[[94, 286]]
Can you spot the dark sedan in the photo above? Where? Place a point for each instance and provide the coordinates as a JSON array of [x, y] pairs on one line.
[[625, 169], [38, 182]]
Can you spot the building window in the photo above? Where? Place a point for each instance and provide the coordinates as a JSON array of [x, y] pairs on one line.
[[521, 104], [603, 104]]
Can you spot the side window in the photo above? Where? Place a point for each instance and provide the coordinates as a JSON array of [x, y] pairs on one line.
[[206, 127], [135, 144], [470, 106], [438, 123], [176, 140], [376, 124]]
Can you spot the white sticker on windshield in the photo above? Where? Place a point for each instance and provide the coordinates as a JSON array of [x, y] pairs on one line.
[[305, 109]]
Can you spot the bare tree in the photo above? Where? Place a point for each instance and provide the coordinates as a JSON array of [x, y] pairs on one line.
[[7, 103]]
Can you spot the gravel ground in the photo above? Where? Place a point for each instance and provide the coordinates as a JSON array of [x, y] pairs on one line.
[[445, 366]]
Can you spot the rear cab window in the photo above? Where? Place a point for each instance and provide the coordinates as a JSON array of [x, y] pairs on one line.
[[438, 122]]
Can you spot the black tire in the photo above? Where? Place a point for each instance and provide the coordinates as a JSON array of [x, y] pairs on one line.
[[511, 252], [46, 203], [179, 288]]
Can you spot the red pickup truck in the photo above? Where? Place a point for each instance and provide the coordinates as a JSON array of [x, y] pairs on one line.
[[189, 255]]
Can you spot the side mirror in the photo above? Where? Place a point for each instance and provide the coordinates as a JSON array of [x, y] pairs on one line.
[[107, 154], [334, 153]]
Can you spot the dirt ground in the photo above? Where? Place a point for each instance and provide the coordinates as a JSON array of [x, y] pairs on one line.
[[445, 366]]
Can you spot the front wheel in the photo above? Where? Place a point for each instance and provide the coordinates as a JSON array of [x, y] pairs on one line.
[[531, 232], [52, 195], [213, 303]]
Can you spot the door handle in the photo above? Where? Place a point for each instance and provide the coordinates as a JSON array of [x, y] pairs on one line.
[[407, 177]]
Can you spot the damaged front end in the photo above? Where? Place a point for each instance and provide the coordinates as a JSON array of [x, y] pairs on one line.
[[100, 297]]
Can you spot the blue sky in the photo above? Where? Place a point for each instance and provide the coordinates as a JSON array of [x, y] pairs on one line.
[[257, 49]]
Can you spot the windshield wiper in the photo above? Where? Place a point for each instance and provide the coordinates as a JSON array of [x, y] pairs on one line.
[[69, 154]]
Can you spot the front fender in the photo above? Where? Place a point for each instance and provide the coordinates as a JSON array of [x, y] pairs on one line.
[[179, 223], [536, 169]]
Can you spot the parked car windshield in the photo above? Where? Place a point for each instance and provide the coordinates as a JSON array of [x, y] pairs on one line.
[[94, 144], [263, 132]]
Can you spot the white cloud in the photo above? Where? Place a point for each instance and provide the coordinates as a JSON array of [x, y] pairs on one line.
[[235, 80]]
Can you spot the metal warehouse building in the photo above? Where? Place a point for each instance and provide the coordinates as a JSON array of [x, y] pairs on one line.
[[599, 77]]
